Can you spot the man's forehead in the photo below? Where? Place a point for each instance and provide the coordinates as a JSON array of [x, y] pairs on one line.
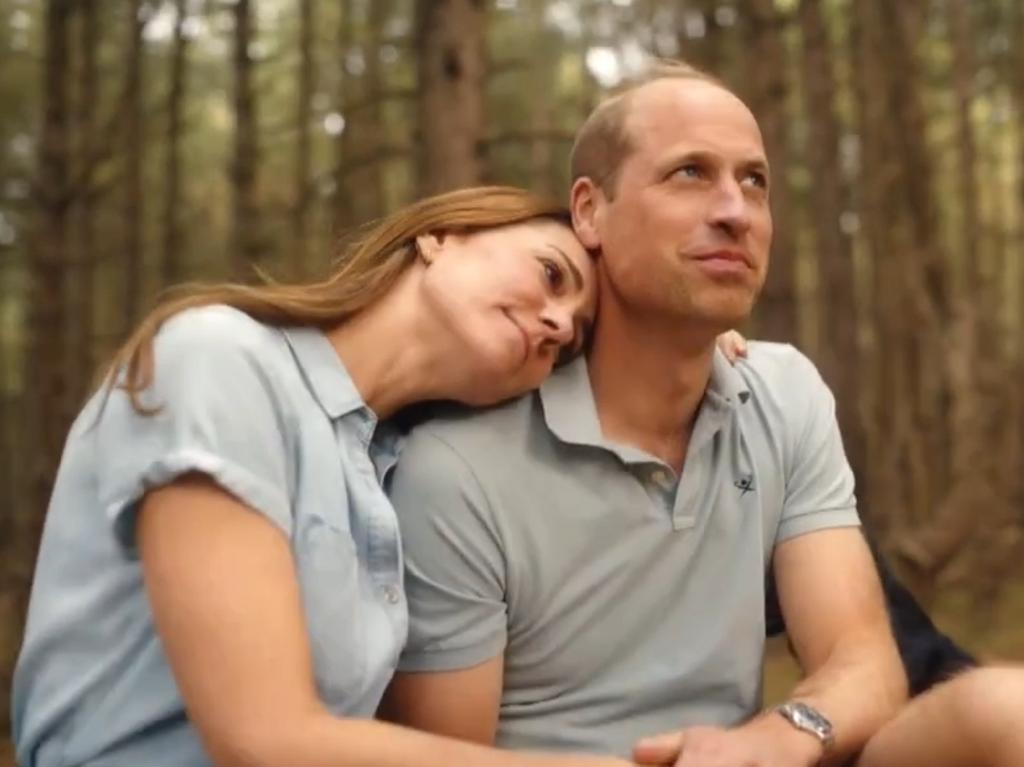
[[673, 108]]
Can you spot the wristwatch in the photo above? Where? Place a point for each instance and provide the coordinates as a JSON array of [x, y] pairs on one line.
[[810, 720]]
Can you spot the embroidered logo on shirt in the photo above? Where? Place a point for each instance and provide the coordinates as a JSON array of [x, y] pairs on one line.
[[745, 483]]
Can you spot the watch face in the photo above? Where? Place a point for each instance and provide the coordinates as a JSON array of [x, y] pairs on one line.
[[806, 718]]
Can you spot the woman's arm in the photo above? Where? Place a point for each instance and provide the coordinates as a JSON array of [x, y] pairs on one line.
[[226, 602]]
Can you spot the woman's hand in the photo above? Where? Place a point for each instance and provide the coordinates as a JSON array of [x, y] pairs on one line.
[[733, 345]]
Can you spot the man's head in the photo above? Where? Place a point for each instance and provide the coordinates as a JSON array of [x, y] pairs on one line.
[[670, 183]]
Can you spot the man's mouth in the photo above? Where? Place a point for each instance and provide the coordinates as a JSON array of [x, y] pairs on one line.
[[724, 262]]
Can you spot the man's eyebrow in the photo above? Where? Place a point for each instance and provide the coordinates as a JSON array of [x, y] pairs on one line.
[[756, 162], [574, 270]]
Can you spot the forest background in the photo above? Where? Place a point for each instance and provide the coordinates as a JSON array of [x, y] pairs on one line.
[[146, 142]]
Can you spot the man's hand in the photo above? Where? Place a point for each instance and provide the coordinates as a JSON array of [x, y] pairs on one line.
[[763, 742]]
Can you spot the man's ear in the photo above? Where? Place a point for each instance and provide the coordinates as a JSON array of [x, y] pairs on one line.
[[585, 202], [429, 246]]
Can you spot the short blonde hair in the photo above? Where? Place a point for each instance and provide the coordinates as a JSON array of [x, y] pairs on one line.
[[603, 142]]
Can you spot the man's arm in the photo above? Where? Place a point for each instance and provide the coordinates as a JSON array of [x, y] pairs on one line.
[[832, 602], [460, 704], [929, 656], [449, 678], [835, 613], [829, 593]]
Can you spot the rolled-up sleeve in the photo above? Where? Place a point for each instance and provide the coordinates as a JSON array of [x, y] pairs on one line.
[[454, 560], [819, 482], [218, 414]]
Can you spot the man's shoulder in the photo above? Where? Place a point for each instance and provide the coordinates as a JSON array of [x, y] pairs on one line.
[[785, 393], [779, 373], [474, 433]]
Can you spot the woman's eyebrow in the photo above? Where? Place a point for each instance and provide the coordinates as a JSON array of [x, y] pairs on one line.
[[574, 270]]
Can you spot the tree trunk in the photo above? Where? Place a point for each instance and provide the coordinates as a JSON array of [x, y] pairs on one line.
[[970, 258], [85, 208], [839, 352], [891, 428], [541, 177], [344, 213], [767, 93], [132, 201], [699, 36], [372, 129], [247, 243], [303, 127], [171, 268], [451, 67], [45, 366]]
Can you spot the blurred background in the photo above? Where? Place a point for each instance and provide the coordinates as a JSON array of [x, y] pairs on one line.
[[146, 142]]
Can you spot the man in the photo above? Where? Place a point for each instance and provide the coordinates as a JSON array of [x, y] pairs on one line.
[[587, 567]]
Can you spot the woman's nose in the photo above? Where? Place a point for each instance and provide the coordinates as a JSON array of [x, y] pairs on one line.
[[558, 323]]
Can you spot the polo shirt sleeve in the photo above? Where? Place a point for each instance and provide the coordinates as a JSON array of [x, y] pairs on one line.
[[218, 416], [454, 560], [819, 491]]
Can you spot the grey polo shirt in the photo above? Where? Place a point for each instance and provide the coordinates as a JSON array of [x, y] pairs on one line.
[[627, 601]]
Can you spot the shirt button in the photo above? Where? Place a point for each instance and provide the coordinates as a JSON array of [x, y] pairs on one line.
[[659, 476], [391, 595]]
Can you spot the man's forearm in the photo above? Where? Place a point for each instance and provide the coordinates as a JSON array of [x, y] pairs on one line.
[[859, 688]]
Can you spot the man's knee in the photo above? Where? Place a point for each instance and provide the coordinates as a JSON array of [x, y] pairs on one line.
[[989, 702]]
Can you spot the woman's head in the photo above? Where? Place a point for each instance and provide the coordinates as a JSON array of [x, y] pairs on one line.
[[516, 299], [487, 254]]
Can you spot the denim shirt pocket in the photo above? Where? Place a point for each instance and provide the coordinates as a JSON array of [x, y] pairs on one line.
[[334, 602]]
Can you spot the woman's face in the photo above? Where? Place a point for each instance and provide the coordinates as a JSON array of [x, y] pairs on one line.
[[517, 299]]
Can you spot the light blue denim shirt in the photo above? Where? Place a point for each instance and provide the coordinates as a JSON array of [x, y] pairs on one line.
[[273, 417]]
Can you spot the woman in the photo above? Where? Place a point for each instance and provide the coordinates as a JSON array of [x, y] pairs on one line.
[[219, 578]]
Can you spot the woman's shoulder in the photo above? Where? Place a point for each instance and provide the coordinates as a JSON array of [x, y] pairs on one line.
[[217, 327], [220, 340]]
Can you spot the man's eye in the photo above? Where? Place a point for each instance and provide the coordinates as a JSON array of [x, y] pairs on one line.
[[553, 274], [757, 179], [690, 171]]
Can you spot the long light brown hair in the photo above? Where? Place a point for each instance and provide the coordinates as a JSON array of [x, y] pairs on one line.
[[365, 270]]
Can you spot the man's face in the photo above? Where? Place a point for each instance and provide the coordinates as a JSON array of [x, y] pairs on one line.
[[686, 233]]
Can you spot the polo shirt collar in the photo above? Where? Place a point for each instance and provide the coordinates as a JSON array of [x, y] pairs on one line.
[[567, 401], [323, 371]]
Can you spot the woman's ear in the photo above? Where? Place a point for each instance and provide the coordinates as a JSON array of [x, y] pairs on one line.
[[428, 246], [585, 200]]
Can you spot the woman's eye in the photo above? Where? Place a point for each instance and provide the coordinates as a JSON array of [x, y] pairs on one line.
[[553, 274]]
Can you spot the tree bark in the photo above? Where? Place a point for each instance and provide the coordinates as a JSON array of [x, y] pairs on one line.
[[839, 352], [704, 51], [767, 94], [171, 268], [451, 67], [970, 257], [45, 366], [541, 144], [303, 150], [132, 201], [247, 242], [85, 208], [344, 215]]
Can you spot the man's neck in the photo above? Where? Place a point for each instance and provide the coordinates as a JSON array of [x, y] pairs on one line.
[[648, 383]]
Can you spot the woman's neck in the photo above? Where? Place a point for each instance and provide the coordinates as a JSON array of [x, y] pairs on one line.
[[393, 353]]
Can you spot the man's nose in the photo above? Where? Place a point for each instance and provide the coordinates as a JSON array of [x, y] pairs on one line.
[[729, 209]]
